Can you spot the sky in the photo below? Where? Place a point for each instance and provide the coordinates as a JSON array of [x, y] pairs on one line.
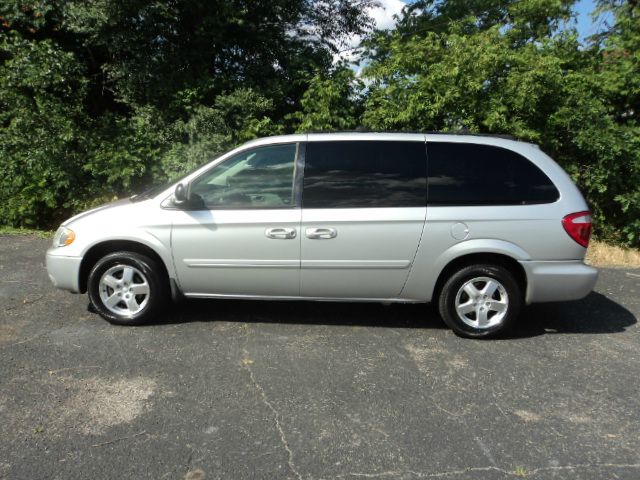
[[586, 25], [383, 20]]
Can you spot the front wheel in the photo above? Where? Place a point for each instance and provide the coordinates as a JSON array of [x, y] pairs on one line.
[[127, 288], [480, 301]]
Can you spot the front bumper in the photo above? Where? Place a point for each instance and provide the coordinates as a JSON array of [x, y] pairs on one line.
[[557, 281], [64, 272]]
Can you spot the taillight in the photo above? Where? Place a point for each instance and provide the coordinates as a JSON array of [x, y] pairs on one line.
[[578, 226]]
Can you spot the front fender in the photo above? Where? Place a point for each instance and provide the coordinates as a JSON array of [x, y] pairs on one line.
[[159, 242]]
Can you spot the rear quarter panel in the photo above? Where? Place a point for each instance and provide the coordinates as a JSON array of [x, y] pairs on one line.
[[522, 232]]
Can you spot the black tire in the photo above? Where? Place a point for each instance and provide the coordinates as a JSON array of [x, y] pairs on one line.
[[148, 270], [454, 284]]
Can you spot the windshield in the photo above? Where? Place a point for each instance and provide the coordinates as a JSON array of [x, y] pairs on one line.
[[150, 192]]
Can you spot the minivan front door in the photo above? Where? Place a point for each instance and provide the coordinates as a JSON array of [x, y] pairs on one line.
[[242, 239], [364, 208]]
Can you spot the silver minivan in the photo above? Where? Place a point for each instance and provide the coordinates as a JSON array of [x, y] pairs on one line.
[[481, 225]]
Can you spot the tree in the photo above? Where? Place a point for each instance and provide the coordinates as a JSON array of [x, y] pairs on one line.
[[332, 102], [100, 97], [42, 90], [618, 75]]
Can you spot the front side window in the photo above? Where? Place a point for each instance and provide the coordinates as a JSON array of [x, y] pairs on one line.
[[261, 177], [365, 174], [474, 174]]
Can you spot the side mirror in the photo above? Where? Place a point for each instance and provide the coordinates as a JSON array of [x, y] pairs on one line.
[[180, 194]]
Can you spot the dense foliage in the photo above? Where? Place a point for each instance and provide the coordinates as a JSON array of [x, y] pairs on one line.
[[102, 97]]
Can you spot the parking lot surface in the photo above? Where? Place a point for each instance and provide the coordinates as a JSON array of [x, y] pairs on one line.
[[270, 390]]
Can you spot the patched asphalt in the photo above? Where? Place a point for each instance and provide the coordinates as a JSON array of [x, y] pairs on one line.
[[270, 390]]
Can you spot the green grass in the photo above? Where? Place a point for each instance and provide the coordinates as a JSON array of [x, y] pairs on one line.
[[4, 230], [520, 472]]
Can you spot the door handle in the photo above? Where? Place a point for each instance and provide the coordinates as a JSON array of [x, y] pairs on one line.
[[321, 233], [280, 233]]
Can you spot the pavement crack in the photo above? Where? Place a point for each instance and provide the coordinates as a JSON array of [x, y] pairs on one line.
[[449, 473], [283, 438], [584, 466], [144, 432], [485, 449], [519, 473]]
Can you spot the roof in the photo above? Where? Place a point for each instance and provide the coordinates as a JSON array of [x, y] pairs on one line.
[[456, 137], [427, 132]]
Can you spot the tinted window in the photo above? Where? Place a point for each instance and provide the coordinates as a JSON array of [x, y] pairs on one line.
[[365, 174], [261, 177], [470, 174]]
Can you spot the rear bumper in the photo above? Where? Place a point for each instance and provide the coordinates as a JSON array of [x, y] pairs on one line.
[[558, 281], [64, 272]]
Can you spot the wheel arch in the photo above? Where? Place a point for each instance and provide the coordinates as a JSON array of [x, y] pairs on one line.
[[99, 250], [507, 256]]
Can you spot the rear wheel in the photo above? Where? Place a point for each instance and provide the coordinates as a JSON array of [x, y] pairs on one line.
[[480, 301], [127, 288]]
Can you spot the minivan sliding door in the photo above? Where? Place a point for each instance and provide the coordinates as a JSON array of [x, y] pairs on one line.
[[364, 207]]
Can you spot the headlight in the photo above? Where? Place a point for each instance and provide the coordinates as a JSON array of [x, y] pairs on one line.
[[64, 236]]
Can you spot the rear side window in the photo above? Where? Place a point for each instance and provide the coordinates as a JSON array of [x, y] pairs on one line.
[[365, 174], [472, 174]]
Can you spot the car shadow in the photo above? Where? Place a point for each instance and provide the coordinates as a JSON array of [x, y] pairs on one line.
[[594, 314]]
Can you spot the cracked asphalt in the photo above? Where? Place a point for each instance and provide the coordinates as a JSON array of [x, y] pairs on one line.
[[277, 390]]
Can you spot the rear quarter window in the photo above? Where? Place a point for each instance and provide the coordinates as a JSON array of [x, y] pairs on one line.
[[473, 174]]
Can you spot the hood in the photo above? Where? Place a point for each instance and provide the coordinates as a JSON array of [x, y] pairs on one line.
[[105, 206]]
